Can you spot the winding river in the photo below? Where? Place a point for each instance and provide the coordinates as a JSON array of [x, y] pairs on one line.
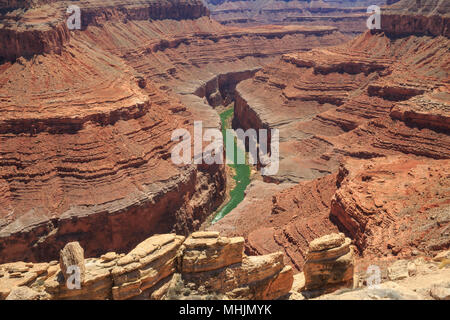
[[242, 172]]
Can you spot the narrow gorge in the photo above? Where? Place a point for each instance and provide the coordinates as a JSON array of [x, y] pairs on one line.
[[79, 129], [87, 123]]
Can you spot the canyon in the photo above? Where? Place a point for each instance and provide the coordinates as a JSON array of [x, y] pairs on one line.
[[88, 156], [86, 123], [363, 145]]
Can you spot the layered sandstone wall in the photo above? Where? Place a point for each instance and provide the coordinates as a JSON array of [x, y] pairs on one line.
[[38, 31], [379, 102], [388, 214], [408, 17], [98, 12], [87, 158], [15, 4], [86, 130], [43, 29], [347, 15]]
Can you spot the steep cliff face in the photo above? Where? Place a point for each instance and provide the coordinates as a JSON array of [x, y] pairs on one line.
[[396, 200], [347, 15], [36, 32], [378, 102], [86, 121], [407, 17], [98, 12], [333, 93], [43, 29]]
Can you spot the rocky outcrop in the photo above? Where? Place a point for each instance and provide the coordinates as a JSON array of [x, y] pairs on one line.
[[205, 251], [329, 263], [257, 277], [142, 268], [19, 41], [18, 274], [282, 217], [166, 266], [72, 255], [25, 293], [418, 278], [154, 270], [213, 267], [425, 111], [395, 201]]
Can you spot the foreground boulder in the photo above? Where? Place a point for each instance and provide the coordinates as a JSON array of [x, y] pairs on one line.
[[206, 251], [25, 293], [214, 267], [141, 269], [166, 266], [72, 255], [329, 263]]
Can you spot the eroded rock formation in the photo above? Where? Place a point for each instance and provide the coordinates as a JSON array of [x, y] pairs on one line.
[[396, 200], [329, 263], [87, 117], [378, 102], [347, 15], [407, 17], [85, 139], [167, 266], [72, 255]]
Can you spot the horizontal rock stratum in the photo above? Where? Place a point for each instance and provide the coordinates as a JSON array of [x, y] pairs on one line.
[[166, 266], [86, 118], [364, 142], [329, 263], [348, 15]]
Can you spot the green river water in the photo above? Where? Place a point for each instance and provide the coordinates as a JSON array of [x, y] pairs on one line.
[[242, 172]]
